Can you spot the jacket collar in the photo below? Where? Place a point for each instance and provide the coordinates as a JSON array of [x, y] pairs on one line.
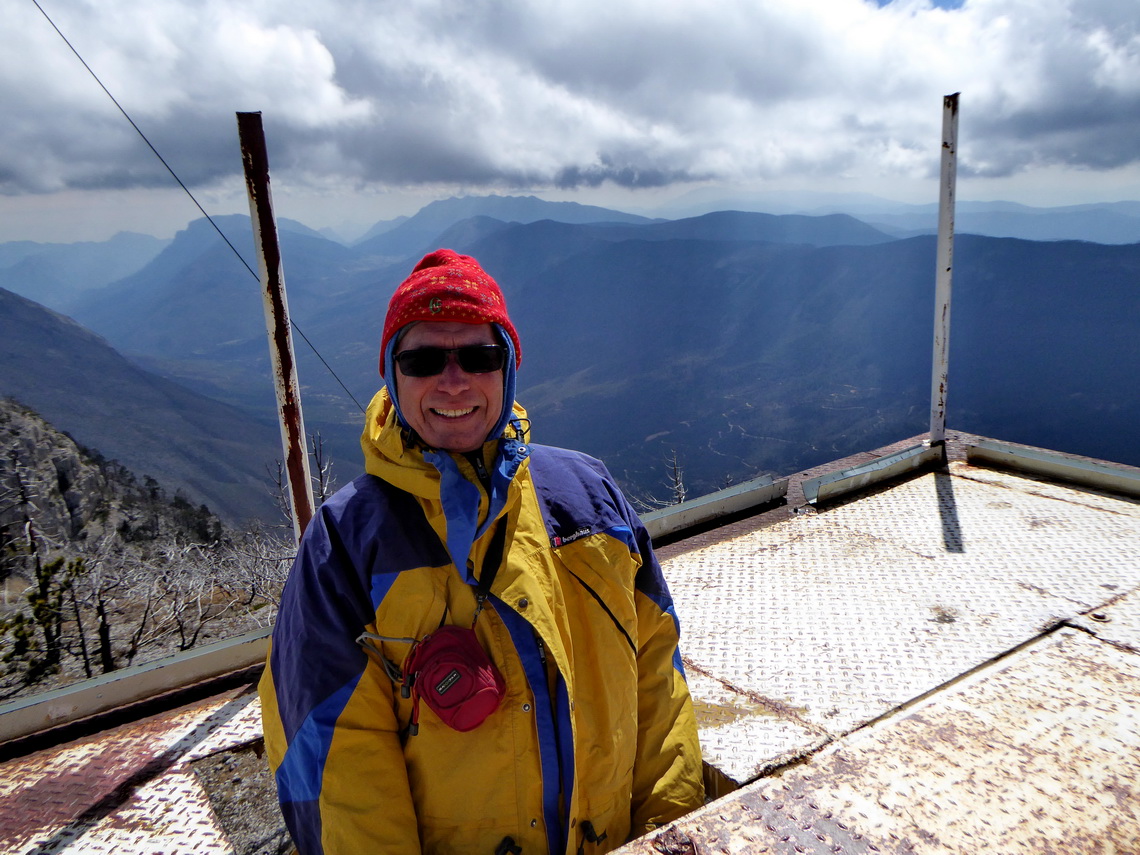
[[445, 483]]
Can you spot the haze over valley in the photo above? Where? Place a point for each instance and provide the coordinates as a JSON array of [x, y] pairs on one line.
[[743, 342]]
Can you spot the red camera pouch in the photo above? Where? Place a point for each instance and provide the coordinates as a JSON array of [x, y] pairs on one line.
[[452, 673]]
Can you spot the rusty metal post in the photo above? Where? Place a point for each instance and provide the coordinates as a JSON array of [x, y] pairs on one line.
[[944, 268], [256, 162]]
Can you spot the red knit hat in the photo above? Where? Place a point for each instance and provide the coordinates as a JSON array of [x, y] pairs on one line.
[[447, 286]]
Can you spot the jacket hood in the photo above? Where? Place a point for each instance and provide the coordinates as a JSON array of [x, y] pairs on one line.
[[510, 379], [388, 456], [445, 483]]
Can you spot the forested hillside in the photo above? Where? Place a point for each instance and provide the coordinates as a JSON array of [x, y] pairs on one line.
[[102, 569]]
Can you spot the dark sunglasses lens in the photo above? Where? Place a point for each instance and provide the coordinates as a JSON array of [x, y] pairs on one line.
[[430, 361], [481, 359], [424, 362]]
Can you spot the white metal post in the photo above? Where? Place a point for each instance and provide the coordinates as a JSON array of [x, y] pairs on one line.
[[944, 268], [256, 162]]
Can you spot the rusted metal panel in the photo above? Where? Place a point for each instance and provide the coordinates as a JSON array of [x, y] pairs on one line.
[[944, 268], [171, 814], [1037, 753], [255, 159], [124, 791]]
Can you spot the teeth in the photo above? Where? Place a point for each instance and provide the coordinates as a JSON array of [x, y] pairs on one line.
[[453, 414]]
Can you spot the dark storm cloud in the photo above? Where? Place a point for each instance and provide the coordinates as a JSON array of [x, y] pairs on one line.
[[631, 177], [531, 94]]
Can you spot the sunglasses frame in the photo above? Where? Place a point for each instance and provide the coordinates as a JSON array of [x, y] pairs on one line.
[[477, 350]]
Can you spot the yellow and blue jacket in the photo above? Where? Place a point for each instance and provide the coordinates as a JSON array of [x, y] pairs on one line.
[[595, 741]]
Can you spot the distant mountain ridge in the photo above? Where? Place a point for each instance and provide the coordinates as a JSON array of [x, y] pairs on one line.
[[217, 455], [413, 236], [746, 342], [1107, 224], [58, 273], [1103, 222], [825, 230], [197, 294]]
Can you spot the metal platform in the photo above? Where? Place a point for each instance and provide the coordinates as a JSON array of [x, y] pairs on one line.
[[132, 789], [946, 664], [806, 630], [953, 663], [1036, 753]]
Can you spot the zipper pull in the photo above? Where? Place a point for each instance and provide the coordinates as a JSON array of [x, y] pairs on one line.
[[477, 462]]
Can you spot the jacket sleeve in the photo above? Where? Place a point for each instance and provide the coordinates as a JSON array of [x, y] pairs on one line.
[[331, 732], [667, 775]]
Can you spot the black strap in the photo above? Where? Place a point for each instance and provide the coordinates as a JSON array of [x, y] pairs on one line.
[[590, 835], [491, 561]]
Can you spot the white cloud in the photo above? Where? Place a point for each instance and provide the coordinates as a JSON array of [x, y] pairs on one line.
[[530, 93]]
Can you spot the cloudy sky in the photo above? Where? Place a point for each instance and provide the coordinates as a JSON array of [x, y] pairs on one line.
[[373, 107]]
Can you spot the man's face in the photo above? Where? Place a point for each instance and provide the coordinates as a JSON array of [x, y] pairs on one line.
[[454, 410]]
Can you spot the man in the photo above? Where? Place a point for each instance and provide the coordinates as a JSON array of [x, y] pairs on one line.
[[476, 651]]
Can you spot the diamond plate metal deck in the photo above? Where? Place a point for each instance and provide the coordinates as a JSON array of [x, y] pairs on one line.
[[1117, 623], [801, 632], [954, 660], [128, 791], [1038, 753]]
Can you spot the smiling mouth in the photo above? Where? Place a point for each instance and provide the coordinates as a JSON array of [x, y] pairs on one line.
[[454, 414]]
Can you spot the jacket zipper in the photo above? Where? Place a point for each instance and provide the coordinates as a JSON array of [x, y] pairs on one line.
[[476, 459]]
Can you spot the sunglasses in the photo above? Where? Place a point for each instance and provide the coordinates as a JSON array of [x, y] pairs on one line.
[[430, 361]]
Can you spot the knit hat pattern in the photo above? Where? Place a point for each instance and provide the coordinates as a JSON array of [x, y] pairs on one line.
[[447, 286]]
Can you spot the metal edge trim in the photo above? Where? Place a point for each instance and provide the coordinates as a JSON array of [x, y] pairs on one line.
[[26, 716], [730, 500], [857, 477], [1101, 476]]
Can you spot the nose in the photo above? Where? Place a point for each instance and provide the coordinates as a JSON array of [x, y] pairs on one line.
[[453, 379]]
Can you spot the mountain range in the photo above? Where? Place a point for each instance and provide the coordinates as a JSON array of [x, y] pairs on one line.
[[55, 274], [1101, 222], [745, 342]]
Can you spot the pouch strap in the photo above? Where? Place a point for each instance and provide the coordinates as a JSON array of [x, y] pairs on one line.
[[491, 562]]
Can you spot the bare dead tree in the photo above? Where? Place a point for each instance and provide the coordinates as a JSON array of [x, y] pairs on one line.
[[135, 586], [676, 475], [321, 474], [190, 593], [324, 484], [674, 483], [279, 490], [255, 566], [121, 615]]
